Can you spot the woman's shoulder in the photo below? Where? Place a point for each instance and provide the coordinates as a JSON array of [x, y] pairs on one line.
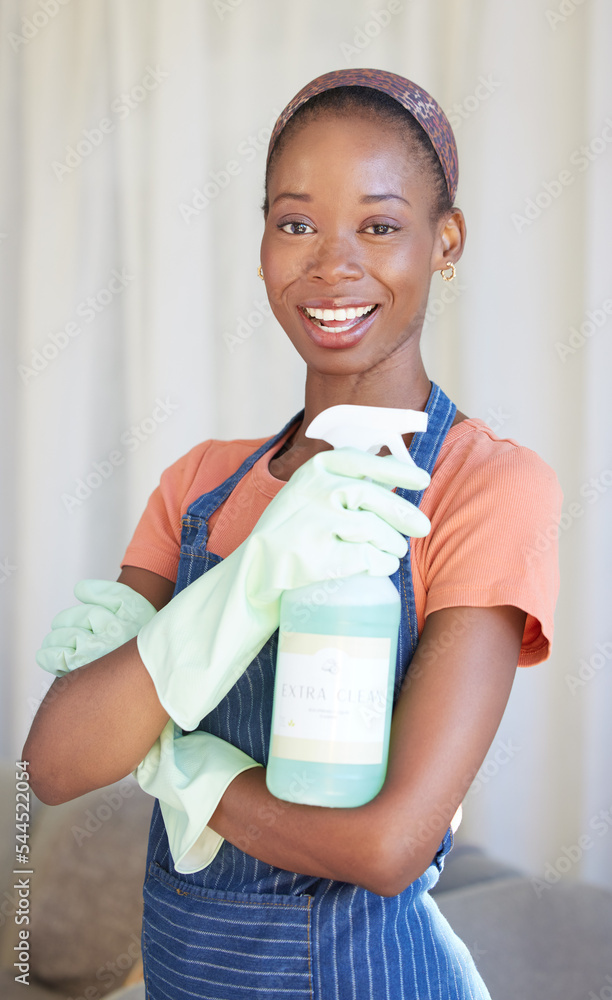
[[475, 461], [494, 507], [208, 463], [476, 442]]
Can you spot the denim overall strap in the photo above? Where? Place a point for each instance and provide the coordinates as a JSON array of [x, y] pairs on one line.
[[243, 928], [424, 450]]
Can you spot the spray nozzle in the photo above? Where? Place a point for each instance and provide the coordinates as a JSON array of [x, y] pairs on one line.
[[368, 428]]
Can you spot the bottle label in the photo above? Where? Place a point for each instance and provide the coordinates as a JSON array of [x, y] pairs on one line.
[[330, 698]]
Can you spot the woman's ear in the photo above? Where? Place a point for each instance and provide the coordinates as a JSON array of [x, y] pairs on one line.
[[450, 240]]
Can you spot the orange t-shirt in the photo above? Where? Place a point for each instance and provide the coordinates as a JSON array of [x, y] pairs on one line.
[[490, 502]]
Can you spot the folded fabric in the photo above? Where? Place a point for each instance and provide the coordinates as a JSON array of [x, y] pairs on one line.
[[188, 774], [328, 520]]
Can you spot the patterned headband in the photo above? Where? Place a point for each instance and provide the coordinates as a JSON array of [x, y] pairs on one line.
[[417, 101]]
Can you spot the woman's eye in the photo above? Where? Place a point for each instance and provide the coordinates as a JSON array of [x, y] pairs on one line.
[[296, 228], [381, 228]]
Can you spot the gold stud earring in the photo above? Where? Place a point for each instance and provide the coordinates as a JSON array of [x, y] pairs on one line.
[[448, 277], [260, 272]]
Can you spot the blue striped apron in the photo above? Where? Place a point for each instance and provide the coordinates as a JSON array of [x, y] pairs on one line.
[[241, 928]]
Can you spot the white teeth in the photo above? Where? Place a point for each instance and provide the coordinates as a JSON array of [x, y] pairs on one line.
[[337, 329], [339, 314]]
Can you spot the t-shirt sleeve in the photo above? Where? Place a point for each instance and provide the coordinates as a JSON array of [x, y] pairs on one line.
[[156, 542], [494, 542]]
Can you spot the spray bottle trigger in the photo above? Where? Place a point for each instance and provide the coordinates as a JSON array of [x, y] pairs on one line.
[[369, 428]]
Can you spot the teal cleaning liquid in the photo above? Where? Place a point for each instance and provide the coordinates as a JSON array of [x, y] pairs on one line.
[[337, 651], [333, 695]]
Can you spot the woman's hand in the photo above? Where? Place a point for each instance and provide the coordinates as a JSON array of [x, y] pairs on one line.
[[328, 521], [98, 721], [329, 501]]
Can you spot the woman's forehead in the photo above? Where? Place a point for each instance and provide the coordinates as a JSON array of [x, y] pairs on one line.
[[355, 142]]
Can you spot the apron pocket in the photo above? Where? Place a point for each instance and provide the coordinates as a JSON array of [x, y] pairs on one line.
[[214, 945]]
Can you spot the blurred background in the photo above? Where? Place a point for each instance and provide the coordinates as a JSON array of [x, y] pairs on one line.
[[133, 137]]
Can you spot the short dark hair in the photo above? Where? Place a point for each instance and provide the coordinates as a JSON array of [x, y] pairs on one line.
[[379, 105]]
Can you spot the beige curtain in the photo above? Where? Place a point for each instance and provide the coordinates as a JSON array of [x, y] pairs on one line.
[[134, 324]]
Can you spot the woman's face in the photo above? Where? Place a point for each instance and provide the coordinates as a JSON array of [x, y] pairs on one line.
[[349, 245]]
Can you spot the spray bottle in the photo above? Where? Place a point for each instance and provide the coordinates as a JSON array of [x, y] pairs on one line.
[[337, 651]]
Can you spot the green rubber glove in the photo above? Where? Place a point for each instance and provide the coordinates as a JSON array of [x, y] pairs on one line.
[[328, 520], [110, 615], [188, 774]]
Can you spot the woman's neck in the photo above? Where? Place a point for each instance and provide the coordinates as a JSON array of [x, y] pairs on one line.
[[325, 391], [399, 388]]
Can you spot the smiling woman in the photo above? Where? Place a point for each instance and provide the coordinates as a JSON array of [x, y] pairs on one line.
[[353, 209], [245, 894]]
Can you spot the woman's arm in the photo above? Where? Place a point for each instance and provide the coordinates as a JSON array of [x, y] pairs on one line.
[[157, 589], [443, 724], [97, 723]]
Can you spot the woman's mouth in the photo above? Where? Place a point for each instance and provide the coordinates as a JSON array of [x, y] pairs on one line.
[[335, 320], [341, 327]]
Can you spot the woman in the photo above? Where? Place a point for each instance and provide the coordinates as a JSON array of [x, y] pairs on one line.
[[246, 895]]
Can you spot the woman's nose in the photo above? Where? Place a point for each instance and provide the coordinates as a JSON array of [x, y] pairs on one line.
[[335, 260]]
